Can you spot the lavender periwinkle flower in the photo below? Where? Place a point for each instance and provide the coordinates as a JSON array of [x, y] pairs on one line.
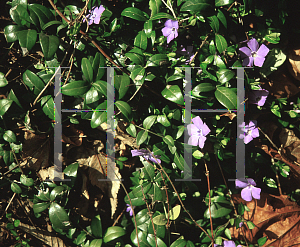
[[146, 154], [258, 97], [226, 243], [170, 30], [94, 15], [197, 132], [250, 131], [248, 189], [255, 54], [130, 209]]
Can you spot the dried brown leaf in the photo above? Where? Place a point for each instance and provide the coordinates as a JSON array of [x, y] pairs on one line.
[[294, 63]]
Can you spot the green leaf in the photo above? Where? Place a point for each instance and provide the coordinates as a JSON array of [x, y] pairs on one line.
[[101, 86], [98, 118], [219, 3], [222, 18], [202, 87], [140, 40], [4, 106], [58, 216], [11, 32], [14, 98], [168, 140], [196, 6], [40, 207], [75, 88], [26, 181], [262, 241], [220, 207], [40, 14], [136, 201], [87, 69], [49, 45], [9, 136], [47, 104], [96, 226], [214, 23], [16, 188], [20, 15], [135, 13], [17, 2], [250, 225], [225, 75], [96, 243], [27, 38], [179, 243], [16, 223], [131, 130], [161, 16], [227, 97], [50, 23], [138, 75], [80, 238], [154, 5], [135, 55], [125, 109], [179, 161], [149, 121], [71, 170], [113, 233], [141, 137], [92, 95], [34, 82], [160, 220], [58, 190], [221, 43], [125, 82], [157, 60], [174, 94], [152, 240], [273, 38], [148, 28], [163, 120], [174, 212]]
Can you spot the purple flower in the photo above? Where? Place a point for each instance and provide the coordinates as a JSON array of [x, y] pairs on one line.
[[248, 190], [170, 30], [197, 131], [250, 131], [241, 224], [146, 154], [226, 243], [94, 15], [129, 209], [188, 53], [258, 97], [254, 54]]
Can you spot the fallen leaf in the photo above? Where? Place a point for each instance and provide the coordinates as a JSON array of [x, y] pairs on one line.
[[73, 136], [294, 63]]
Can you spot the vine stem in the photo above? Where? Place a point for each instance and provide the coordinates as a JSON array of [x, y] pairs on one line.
[[170, 8], [202, 44]]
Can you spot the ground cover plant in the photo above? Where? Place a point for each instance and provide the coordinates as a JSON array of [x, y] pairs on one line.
[[122, 123]]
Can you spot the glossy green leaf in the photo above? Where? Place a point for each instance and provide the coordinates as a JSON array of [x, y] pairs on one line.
[[140, 40], [96, 243], [141, 137], [250, 225], [214, 23], [134, 13], [49, 45], [80, 238], [153, 240], [124, 85], [174, 94], [27, 38], [142, 238], [163, 120], [17, 2], [150, 169], [157, 60], [262, 241], [71, 170], [196, 6], [225, 75], [26, 181], [149, 121], [135, 55], [33, 82], [92, 95], [98, 118], [220, 207], [221, 43], [96, 226], [4, 105], [40, 207], [136, 201], [51, 23], [179, 243], [16, 188], [142, 217], [58, 216], [148, 28], [201, 88], [75, 88], [158, 196], [174, 212], [12, 96], [219, 3], [227, 97], [40, 13], [87, 69], [125, 109], [16, 223], [168, 140], [20, 15], [11, 32], [222, 18], [179, 161], [161, 16], [101, 86], [9, 136], [138, 75], [154, 6], [47, 104], [58, 190], [113, 233], [131, 130], [160, 220]]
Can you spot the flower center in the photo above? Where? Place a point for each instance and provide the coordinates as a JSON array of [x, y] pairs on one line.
[[249, 132], [200, 132], [173, 29], [253, 54]]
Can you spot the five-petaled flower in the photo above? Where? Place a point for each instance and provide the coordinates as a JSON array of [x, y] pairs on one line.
[[197, 131], [248, 189], [258, 97], [254, 54], [226, 243], [249, 131], [146, 154], [129, 209], [170, 30], [94, 15]]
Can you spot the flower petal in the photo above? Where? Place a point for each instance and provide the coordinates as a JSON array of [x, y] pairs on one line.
[[202, 139], [259, 61], [253, 44], [245, 52], [251, 181], [171, 37], [139, 152], [248, 61], [152, 159], [262, 51], [198, 122], [193, 140], [239, 184], [247, 139], [255, 133], [205, 129], [169, 23], [229, 243], [246, 194], [166, 31], [256, 192], [192, 130], [101, 10], [97, 19]]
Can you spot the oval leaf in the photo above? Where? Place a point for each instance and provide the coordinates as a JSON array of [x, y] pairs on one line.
[[227, 97], [141, 137], [113, 232], [75, 88], [87, 69], [134, 13], [49, 45], [174, 94], [58, 216], [125, 109]]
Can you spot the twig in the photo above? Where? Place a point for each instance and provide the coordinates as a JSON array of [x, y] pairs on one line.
[[25, 212], [8, 205], [170, 8], [202, 44], [268, 139]]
